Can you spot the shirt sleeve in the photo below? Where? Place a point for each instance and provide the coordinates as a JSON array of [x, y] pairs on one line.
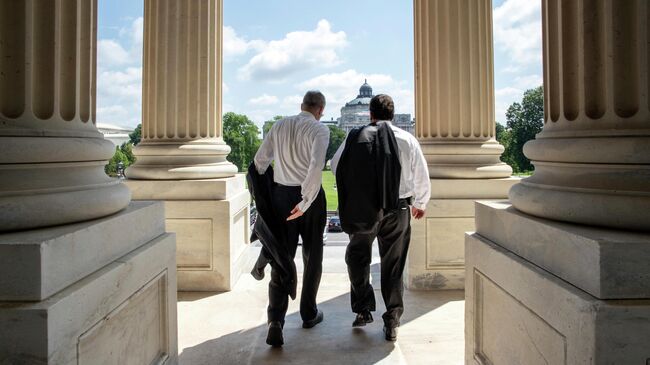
[[337, 156], [421, 181], [312, 184], [264, 155]]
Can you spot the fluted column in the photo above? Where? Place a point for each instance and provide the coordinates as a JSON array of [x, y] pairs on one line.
[[182, 80], [52, 156], [592, 159], [454, 89]]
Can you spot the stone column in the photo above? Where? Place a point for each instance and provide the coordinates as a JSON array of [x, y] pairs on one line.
[[454, 87], [592, 159], [182, 157], [455, 125], [95, 281], [53, 157], [569, 265], [182, 80]]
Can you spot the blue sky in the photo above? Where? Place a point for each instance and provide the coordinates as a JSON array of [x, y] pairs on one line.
[[274, 50]]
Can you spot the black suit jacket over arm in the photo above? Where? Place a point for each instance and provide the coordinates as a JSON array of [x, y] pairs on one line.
[[270, 229], [368, 177]]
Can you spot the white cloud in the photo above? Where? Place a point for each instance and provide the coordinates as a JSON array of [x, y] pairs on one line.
[[119, 76], [233, 45], [342, 87], [119, 96], [298, 50], [111, 53], [518, 30], [527, 81], [264, 99], [292, 102], [224, 87]]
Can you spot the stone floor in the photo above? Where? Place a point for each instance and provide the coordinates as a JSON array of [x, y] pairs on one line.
[[229, 328]]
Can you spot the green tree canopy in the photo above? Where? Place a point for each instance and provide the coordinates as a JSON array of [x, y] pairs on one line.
[[269, 123], [136, 135], [119, 156], [337, 136], [241, 134], [523, 121]]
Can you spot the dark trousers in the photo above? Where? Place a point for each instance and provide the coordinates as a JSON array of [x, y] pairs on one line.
[[393, 233], [310, 227]]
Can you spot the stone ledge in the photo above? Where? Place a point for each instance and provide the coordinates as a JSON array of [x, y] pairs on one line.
[[209, 189], [126, 312], [517, 313], [607, 264], [492, 189], [38, 263]]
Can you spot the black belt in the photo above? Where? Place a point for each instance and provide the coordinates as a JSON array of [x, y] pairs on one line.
[[405, 201]]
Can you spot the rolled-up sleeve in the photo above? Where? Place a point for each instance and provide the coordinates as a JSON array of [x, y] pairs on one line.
[[421, 182], [312, 184]]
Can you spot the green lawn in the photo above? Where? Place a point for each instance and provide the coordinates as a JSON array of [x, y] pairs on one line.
[[330, 192]]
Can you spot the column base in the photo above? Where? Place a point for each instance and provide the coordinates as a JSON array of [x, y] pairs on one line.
[[436, 258], [49, 181], [195, 159], [519, 313], [212, 225], [123, 313], [465, 159]]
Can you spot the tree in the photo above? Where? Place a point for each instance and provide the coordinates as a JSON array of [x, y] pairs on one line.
[[136, 135], [269, 124], [337, 136], [241, 134], [504, 137], [524, 121], [119, 156]]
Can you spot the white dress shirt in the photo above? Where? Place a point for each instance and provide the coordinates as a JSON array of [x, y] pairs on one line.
[[298, 146], [414, 180]]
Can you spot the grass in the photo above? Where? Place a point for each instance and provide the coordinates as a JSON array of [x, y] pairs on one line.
[[330, 192]]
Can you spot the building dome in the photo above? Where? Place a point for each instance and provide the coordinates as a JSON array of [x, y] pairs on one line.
[[365, 91]]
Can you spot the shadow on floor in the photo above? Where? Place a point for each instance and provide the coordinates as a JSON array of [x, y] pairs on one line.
[[332, 342]]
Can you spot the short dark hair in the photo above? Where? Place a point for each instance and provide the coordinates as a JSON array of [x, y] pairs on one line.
[[382, 107]]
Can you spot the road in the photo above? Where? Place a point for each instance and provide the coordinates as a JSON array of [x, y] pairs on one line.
[[337, 239]]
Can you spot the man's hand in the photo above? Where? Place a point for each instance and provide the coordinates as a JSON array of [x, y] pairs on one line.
[[295, 213], [417, 213]]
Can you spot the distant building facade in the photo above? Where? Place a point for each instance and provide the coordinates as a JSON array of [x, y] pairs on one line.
[[356, 112], [114, 133]]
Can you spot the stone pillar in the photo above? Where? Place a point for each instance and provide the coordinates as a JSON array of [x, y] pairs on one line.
[[454, 87], [569, 265], [96, 280], [455, 125], [182, 157], [181, 101], [592, 159], [53, 157]]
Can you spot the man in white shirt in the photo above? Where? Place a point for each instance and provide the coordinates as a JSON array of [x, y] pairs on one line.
[[298, 145], [393, 230]]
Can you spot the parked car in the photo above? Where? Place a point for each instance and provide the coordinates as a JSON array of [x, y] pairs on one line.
[[334, 225]]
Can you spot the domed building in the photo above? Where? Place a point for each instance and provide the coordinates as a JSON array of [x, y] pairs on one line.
[[356, 112]]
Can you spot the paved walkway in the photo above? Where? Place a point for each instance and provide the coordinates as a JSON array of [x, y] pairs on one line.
[[230, 328]]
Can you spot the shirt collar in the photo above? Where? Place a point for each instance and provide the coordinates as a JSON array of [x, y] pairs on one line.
[[381, 121], [307, 115]]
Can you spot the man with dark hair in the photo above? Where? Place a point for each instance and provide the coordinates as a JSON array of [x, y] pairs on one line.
[[382, 107], [370, 206], [298, 145]]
